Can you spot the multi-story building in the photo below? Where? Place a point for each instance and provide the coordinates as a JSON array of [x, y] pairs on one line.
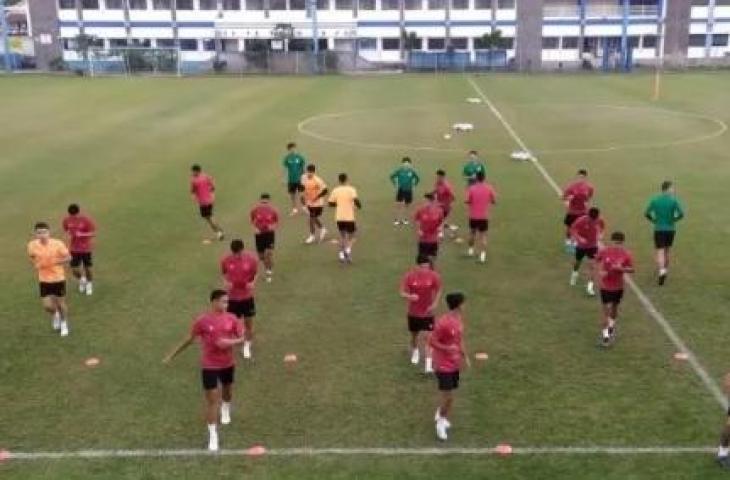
[[537, 33]]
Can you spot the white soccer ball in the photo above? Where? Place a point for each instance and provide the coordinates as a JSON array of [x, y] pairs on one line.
[[447, 136]]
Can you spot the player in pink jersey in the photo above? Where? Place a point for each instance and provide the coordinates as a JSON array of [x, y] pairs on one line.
[[202, 188], [219, 332], [81, 230], [577, 197], [480, 196], [612, 263], [265, 219], [445, 197], [239, 271], [429, 218], [586, 232]]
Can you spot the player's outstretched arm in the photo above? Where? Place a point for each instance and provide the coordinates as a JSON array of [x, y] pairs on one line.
[[182, 346]]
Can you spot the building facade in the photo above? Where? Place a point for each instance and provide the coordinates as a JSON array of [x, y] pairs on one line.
[[536, 33]]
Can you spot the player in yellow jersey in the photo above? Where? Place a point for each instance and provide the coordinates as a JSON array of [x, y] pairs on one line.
[[313, 194], [344, 199]]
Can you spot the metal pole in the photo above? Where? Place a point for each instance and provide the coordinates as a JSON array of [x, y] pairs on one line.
[[6, 40], [315, 26]]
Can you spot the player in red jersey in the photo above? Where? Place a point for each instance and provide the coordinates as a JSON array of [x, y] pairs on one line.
[[480, 196], [449, 351], [429, 218], [239, 271], [219, 332], [586, 232], [81, 230], [577, 196], [265, 219], [445, 197], [421, 287], [612, 263], [202, 187]]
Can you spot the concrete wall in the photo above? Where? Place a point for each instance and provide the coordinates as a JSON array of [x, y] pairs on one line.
[[677, 32], [528, 44], [44, 28]]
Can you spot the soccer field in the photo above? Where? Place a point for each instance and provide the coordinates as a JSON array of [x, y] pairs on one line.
[[122, 148]]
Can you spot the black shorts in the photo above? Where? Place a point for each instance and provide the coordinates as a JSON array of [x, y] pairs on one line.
[[581, 253], [611, 296], [428, 249], [242, 308], [264, 241], [405, 196], [315, 212], [294, 187], [211, 377], [478, 225], [346, 227], [206, 211], [77, 259], [664, 239], [420, 324], [570, 218], [446, 210], [56, 289], [448, 380]]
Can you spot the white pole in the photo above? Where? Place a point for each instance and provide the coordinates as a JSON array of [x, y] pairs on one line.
[[660, 51]]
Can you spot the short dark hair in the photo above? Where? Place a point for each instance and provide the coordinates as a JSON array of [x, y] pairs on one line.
[[440, 173], [473, 152], [342, 177], [236, 245], [666, 185], [594, 213], [583, 172], [618, 237], [41, 226], [423, 259], [454, 300], [406, 160], [195, 168], [290, 145], [73, 209], [480, 176], [311, 168], [265, 196], [216, 294]]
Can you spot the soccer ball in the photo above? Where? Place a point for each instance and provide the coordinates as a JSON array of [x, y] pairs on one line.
[[447, 136]]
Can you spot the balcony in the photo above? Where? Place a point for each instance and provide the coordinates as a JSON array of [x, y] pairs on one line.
[[560, 10]]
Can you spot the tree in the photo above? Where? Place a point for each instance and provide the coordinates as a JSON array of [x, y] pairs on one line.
[[410, 40], [493, 40]]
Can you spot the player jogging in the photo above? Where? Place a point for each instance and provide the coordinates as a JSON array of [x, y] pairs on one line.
[[202, 188], [472, 167], [611, 263], [344, 199], [480, 196], [405, 179], [577, 197], [429, 218], [449, 351], [265, 219], [239, 271], [586, 232], [81, 230], [664, 211], [313, 195], [294, 165], [219, 332], [49, 257], [421, 287], [445, 197]]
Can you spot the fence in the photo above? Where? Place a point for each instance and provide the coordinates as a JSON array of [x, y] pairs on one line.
[[457, 61]]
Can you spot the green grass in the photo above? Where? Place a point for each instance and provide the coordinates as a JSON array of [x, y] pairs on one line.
[[122, 148]]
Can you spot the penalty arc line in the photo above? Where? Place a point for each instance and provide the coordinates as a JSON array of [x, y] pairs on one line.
[[658, 317]]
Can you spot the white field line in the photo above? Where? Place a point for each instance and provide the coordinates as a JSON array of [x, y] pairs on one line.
[[377, 451], [681, 346]]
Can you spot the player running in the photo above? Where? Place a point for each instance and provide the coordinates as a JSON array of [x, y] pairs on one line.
[[480, 196], [313, 195], [219, 332], [81, 230], [294, 165], [577, 197], [449, 350], [344, 199], [239, 271], [664, 211], [202, 188], [421, 287], [429, 218], [265, 219], [405, 179], [611, 263], [445, 197], [472, 167], [49, 257], [586, 232]]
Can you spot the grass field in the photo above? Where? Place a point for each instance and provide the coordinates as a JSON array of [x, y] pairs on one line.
[[122, 149]]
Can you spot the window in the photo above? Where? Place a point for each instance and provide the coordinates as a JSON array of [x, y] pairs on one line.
[[231, 4], [413, 4], [188, 44], [69, 44], [254, 4], [633, 42], [208, 4], [479, 43], [117, 42], [184, 4], [649, 41], [165, 43], [436, 43], [460, 43], [436, 4], [570, 43], [391, 44], [277, 4], [508, 43], [297, 5], [90, 4], [460, 4], [343, 4], [209, 45], [390, 4], [114, 4], [722, 3], [323, 4], [367, 43], [482, 4], [162, 4], [550, 43], [66, 5], [366, 4], [697, 40], [141, 42], [416, 44], [138, 4], [506, 4], [699, 3], [719, 40], [95, 42]]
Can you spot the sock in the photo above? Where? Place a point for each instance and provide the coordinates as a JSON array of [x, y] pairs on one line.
[[662, 271], [82, 280], [348, 251], [429, 364], [722, 451], [226, 406], [247, 344], [611, 323], [212, 430], [605, 333]]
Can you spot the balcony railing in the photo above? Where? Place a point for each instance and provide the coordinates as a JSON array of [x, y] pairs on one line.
[[603, 10], [562, 10]]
